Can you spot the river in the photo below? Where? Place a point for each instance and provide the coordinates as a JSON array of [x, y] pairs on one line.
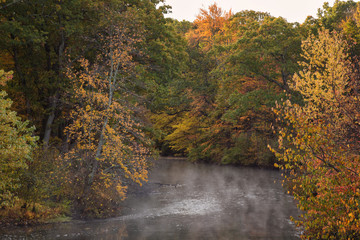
[[183, 201]]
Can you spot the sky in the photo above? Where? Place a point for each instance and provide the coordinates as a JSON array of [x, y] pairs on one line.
[[292, 10]]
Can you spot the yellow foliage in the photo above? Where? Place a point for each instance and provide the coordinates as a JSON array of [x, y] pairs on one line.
[[320, 143], [110, 145]]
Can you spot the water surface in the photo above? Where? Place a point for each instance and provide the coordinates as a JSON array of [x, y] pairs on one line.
[[183, 200]]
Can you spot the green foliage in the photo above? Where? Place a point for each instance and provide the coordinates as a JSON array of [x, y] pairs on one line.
[[267, 48], [16, 146], [39, 83], [331, 17], [238, 68]]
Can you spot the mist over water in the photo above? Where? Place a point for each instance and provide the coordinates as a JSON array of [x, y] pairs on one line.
[[183, 200]]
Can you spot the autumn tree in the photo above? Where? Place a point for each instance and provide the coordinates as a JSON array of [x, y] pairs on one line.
[[108, 147], [208, 23], [319, 140]]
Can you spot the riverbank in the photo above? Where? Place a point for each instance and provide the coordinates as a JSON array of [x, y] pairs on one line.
[[36, 214]]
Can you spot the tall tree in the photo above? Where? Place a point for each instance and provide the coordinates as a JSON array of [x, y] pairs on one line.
[[108, 146], [43, 30], [319, 140]]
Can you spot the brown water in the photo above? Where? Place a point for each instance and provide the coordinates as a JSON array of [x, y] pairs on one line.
[[189, 201]]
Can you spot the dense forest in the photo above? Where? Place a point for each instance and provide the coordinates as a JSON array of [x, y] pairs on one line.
[[92, 91]]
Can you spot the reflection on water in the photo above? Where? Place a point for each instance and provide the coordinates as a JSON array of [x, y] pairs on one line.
[[189, 201]]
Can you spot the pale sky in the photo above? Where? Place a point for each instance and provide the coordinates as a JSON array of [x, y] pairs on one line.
[[292, 10]]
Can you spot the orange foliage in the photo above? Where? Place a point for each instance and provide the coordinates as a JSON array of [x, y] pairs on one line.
[[208, 24], [108, 144]]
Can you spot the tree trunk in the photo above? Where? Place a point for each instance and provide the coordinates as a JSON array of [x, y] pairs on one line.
[[22, 81], [54, 100], [94, 164], [50, 121]]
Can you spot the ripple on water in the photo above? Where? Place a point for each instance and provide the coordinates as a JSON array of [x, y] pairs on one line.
[[202, 206]]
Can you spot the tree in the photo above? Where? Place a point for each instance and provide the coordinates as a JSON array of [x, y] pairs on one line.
[[331, 17], [258, 55], [267, 48], [16, 146], [343, 16], [319, 140], [207, 25], [108, 146], [44, 35]]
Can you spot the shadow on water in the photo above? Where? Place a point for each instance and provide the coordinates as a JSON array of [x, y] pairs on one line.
[[189, 201]]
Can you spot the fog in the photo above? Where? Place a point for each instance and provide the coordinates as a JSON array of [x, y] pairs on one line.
[[183, 200]]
